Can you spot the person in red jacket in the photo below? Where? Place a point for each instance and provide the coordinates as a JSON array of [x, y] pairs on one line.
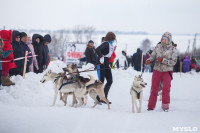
[[6, 66]]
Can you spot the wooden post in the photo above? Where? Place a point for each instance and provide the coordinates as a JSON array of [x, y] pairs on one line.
[[25, 63], [142, 63]]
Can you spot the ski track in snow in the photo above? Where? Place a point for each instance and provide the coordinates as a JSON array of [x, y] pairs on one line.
[[25, 107]]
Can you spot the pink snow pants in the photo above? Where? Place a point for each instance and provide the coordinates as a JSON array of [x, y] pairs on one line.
[[156, 79]]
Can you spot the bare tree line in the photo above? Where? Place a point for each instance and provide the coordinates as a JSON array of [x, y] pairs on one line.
[[79, 34]]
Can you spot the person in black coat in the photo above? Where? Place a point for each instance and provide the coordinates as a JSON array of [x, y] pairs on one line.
[[17, 52], [90, 53], [177, 65], [37, 41], [46, 41], [104, 52], [136, 60], [24, 46]]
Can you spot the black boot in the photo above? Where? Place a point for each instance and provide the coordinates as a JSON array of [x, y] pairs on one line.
[[150, 109]]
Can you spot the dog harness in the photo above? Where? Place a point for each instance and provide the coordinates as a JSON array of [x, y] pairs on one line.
[[68, 82], [138, 93], [91, 84]]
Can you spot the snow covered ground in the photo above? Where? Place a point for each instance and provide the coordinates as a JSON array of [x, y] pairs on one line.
[[25, 107]]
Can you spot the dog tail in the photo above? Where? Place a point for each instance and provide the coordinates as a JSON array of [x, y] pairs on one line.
[[91, 81]]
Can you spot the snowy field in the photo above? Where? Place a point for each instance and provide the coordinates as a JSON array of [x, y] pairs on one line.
[[25, 107]]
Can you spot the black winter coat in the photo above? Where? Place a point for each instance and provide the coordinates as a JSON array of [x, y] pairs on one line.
[[25, 48], [136, 59], [17, 52], [103, 50], [39, 50], [47, 38], [90, 55]]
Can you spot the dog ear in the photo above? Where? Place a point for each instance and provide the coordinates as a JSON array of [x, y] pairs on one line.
[[50, 71], [73, 66]]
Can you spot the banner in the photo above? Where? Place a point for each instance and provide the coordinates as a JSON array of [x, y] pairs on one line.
[[74, 52]]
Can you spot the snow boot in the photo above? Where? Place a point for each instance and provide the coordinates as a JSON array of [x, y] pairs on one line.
[[9, 81], [165, 109], [150, 109], [5, 82]]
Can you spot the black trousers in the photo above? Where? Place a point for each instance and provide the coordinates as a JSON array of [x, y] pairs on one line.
[[105, 73]]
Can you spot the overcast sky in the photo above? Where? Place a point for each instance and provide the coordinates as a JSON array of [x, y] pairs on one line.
[[152, 16]]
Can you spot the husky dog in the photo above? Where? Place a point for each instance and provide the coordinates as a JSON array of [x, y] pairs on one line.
[[91, 86], [136, 92], [58, 82]]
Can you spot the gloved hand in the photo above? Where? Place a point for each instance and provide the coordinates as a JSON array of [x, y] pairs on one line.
[[160, 59], [37, 68], [148, 62], [102, 60]]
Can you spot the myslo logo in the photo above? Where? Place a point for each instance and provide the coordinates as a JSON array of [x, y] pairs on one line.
[[184, 129]]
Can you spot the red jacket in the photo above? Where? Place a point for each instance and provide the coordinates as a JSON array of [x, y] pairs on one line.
[[113, 56], [194, 66], [7, 39]]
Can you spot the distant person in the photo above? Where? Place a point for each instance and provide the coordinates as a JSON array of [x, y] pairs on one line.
[[23, 40], [177, 66], [122, 60], [37, 41], [34, 63], [193, 64], [90, 53], [186, 64], [6, 36], [17, 52], [2, 56], [47, 59], [136, 60]]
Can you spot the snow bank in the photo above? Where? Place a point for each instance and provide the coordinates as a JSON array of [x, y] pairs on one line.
[[25, 106]]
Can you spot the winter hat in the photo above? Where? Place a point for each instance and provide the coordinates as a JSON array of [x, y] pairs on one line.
[[22, 34], [169, 37], [90, 41], [47, 38], [165, 37], [6, 35]]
